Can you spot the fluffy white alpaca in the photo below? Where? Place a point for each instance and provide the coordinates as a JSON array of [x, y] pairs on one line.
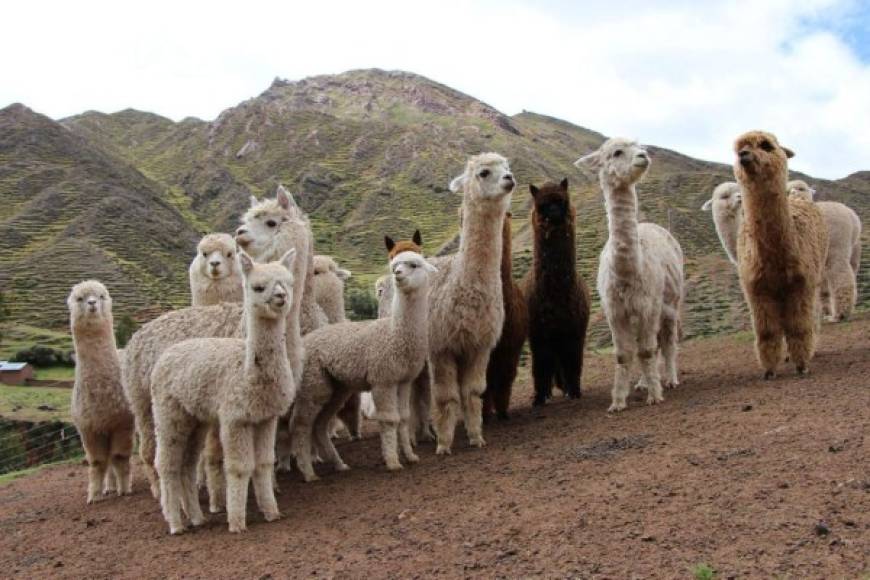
[[98, 408], [384, 293], [213, 274], [242, 387], [640, 275], [840, 284], [466, 312], [329, 287], [383, 355], [727, 207]]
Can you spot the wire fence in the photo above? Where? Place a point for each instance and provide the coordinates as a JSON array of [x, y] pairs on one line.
[[26, 445]]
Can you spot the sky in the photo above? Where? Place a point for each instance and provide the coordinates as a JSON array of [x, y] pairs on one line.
[[685, 75]]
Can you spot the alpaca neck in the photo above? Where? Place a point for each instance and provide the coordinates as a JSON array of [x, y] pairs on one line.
[[94, 342], [410, 311], [480, 254], [555, 255], [768, 222], [266, 350], [730, 226], [506, 255], [622, 228]]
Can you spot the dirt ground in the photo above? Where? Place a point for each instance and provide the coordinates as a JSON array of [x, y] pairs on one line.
[[753, 478]]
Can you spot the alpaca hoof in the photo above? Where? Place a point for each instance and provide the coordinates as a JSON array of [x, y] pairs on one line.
[[215, 509], [155, 491], [487, 418], [412, 458], [616, 407], [503, 416], [478, 441], [310, 478], [802, 371], [394, 466], [176, 530], [769, 375], [672, 384], [342, 467], [272, 516], [654, 399], [90, 501], [238, 528], [197, 522], [539, 401], [285, 465], [443, 450]]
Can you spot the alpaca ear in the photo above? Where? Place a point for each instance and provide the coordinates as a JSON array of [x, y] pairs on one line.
[[342, 274], [389, 243], [285, 198], [534, 190], [288, 259], [429, 267], [812, 194], [707, 205], [788, 152], [591, 161], [254, 201], [417, 238], [564, 184], [457, 183], [246, 262]]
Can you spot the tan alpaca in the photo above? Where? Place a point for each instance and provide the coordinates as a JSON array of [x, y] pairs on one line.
[[329, 288], [241, 387], [214, 277], [781, 254], [840, 286], [98, 408]]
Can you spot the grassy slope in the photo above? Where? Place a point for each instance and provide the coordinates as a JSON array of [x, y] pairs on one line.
[[21, 403]]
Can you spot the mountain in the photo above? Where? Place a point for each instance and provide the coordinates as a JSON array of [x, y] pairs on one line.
[[367, 152]]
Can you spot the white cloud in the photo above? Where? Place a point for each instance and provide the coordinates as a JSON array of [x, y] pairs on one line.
[[685, 75]]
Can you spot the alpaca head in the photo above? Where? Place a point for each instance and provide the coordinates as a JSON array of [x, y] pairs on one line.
[[799, 189], [394, 248], [410, 271], [552, 207], [89, 305], [267, 223], [620, 162], [268, 287], [761, 158], [326, 265], [487, 177], [216, 256], [727, 198]]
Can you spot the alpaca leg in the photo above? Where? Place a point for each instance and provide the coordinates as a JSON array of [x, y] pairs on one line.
[[569, 357], [668, 343], [445, 389], [845, 291], [237, 441], [213, 460], [826, 297], [120, 449], [767, 323], [647, 354], [421, 405], [387, 416], [322, 439], [110, 483], [264, 469], [174, 428], [305, 411], [799, 326], [350, 415], [189, 466], [624, 347], [543, 370], [283, 448], [472, 383], [404, 395], [147, 446], [502, 395], [97, 455]]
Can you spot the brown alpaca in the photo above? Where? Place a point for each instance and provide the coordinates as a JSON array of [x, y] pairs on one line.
[[502, 368], [415, 244], [558, 298], [781, 254]]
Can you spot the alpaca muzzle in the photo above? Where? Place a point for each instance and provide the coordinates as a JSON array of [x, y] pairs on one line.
[[745, 157]]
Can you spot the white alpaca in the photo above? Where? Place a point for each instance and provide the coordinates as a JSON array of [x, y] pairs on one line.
[[98, 408], [214, 277], [727, 207], [640, 275], [240, 386], [840, 284], [329, 288], [384, 293], [384, 356], [466, 313], [279, 226]]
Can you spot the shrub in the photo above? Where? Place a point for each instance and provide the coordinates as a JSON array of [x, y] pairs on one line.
[[124, 330]]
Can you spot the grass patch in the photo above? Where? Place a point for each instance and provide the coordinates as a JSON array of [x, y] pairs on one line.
[[56, 373], [17, 337], [703, 572], [22, 403], [12, 476]]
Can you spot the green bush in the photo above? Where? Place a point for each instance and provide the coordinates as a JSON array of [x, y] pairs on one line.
[[124, 330], [44, 356], [361, 305]]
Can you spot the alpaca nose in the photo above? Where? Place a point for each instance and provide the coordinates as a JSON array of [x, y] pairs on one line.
[[745, 156], [92, 301], [214, 263], [509, 177]]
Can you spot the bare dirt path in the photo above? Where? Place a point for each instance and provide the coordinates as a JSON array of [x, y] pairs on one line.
[[754, 478]]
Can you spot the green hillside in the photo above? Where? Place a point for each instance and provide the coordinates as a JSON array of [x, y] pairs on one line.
[[123, 197]]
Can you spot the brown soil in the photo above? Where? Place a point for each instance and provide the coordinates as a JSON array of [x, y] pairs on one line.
[[754, 478]]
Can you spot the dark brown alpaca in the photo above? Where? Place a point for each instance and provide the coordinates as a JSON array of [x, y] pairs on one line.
[[502, 368], [557, 297]]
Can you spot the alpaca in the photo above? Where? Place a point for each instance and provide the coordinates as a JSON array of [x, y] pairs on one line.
[[240, 386], [289, 230], [558, 298], [839, 286], [640, 275], [501, 371], [98, 408], [395, 248], [213, 275], [383, 355], [384, 294], [329, 288], [781, 254], [727, 207], [466, 312]]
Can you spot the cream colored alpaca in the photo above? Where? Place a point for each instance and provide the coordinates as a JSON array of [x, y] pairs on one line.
[[329, 288], [640, 276], [727, 207], [214, 277], [781, 254], [466, 313], [98, 408], [240, 386], [222, 320], [384, 293], [384, 356], [840, 285]]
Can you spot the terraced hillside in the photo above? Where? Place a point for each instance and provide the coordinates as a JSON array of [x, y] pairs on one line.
[[368, 153]]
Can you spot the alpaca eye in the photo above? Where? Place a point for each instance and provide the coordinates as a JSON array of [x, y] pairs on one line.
[[205, 254], [484, 174], [259, 288], [767, 146], [80, 299], [413, 265], [102, 297], [271, 223], [229, 254], [617, 153]]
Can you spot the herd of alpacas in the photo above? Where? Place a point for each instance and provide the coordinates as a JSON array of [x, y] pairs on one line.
[[263, 368]]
